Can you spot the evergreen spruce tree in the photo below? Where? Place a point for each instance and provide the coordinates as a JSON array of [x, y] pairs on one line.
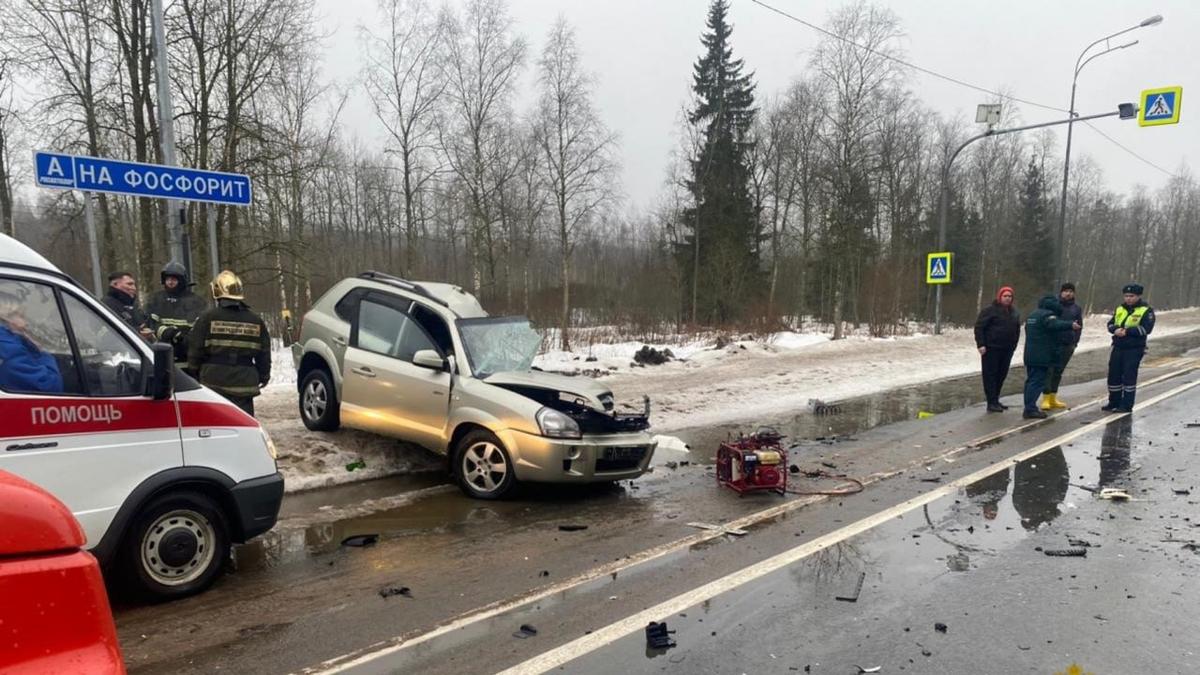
[[719, 256], [1035, 243]]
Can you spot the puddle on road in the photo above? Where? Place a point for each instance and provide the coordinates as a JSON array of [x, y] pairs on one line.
[[856, 415]]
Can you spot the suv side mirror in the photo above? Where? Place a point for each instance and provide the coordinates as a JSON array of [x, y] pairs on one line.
[[161, 384], [428, 358]]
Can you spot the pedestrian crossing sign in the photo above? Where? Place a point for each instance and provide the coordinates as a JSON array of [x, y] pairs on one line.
[[1160, 106], [937, 268]]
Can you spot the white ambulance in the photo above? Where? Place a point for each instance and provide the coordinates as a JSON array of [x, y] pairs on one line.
[[163, 474]]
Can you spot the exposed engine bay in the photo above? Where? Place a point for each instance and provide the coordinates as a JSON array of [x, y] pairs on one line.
[[589, 419]]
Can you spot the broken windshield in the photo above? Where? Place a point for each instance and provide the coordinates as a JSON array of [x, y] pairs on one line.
[[499, 344]]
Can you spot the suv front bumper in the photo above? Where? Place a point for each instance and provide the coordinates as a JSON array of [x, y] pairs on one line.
[[593, 458]]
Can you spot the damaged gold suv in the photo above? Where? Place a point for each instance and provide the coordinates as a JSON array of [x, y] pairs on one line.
[[423, 362]]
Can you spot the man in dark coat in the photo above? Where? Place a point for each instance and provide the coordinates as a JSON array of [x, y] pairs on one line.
[[174, 310], [997, 331], [1042, 350], [1068, 341], [230, 350], [121, 298], [1130, 326]]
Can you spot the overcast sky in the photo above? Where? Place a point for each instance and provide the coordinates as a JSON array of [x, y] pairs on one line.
[[642, 53]]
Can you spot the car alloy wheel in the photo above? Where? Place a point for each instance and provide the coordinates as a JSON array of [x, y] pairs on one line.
[[316, 400], [484, 466]]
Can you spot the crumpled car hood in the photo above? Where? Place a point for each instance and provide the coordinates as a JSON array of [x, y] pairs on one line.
[[591, 392]]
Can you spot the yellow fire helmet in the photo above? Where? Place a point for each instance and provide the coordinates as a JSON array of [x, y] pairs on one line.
[[227, 285]]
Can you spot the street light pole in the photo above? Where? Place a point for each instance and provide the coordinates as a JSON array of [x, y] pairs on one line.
[[1060, 271], [1126, 110]]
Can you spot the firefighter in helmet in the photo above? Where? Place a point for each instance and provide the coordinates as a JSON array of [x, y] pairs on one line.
[[229, 349], [174, 310]]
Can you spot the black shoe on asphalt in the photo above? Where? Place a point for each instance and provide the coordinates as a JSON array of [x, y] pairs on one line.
[[995, 407], [1109, 407], [1004, 406], [1034, 415], [1122, 410]]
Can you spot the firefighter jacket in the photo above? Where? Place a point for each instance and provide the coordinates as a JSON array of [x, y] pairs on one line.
[[230, 350], [1137, 321], [171, 315]]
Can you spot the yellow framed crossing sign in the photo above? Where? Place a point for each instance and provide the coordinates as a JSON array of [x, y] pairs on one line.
[[937, 267], [1160, 106]]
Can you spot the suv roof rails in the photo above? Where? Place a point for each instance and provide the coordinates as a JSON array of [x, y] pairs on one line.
[[405, 284]]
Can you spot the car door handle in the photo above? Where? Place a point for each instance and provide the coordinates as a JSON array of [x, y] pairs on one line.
[[364, 371], [31, 446], [339, 340]]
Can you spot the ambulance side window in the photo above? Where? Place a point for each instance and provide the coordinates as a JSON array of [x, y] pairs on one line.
[[35, 350], [109, 363]]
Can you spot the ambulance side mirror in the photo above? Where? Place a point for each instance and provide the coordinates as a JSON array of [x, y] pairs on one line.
[[161, 384]]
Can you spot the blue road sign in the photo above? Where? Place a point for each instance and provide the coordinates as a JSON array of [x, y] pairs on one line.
[[937, 267], [1160, 106], [96, 174]]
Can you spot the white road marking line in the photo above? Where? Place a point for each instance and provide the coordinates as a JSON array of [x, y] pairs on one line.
[[345, 662], [635, 622]]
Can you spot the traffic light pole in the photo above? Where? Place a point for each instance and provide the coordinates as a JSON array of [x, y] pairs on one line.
[[943, 205]]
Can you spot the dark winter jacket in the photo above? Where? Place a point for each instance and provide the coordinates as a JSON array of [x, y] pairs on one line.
[[1071, 311], [25, 368], [1136, 330], [1042, 346], [231, 350], [125, 306], [171, 315], [998, 327]]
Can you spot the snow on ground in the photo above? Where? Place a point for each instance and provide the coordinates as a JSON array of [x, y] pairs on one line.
[[742, 381]]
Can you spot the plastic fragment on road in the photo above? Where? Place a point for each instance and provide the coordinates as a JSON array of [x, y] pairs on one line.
[[941, 627], [525, 631], [390, 591], [1080, 552], [1113, 494], [1181, 491], [720, 528], [356, 464], [924, 414], [852, 596], [872, 669], [658, 637], [571, 527], [361, 540]]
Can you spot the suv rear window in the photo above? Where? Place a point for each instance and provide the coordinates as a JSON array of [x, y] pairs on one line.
[[347, 307]]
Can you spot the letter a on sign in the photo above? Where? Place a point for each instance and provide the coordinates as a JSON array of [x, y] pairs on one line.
[[937, 268]]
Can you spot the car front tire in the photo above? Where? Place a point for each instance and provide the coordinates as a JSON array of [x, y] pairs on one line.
[[483, 467], [318, 401], [176, 547]]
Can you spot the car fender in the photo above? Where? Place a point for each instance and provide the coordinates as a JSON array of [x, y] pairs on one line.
[[176, 477], [321, 349]]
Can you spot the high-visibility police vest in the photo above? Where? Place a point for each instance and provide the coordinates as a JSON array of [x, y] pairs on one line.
[[1123, 318]]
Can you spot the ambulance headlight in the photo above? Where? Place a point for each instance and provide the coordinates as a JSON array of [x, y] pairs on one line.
[[270, 443]]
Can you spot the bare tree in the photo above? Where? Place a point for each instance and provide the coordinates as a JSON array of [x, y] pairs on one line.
[[577, 149], [484, 59], [7, 126], [405, 80]]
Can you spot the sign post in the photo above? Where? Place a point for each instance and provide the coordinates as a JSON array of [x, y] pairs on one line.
[[90, 220], [937, 273], [60, 171]]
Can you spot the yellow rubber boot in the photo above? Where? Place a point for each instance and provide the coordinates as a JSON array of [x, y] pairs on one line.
[[1047, 402], [1056, 404]]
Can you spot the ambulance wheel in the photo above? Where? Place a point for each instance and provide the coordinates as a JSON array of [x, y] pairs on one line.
[[483, 467], [318, 401], [177, 546]]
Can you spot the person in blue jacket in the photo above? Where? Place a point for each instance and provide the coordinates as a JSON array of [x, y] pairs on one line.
[[25, 367]]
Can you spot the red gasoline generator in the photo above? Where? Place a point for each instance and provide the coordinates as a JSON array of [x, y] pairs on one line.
[[754, 462]]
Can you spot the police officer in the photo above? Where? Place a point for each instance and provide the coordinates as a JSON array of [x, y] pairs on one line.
[[121, 298], [1130, 325], [174, 309], [229, 348]]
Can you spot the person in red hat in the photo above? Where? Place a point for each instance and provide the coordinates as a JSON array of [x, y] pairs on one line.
[[997, 331]]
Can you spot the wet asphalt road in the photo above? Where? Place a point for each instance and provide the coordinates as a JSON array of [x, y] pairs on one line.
[[299, 598]]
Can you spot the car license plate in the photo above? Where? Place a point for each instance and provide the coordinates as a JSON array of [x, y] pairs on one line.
[[624, 454]]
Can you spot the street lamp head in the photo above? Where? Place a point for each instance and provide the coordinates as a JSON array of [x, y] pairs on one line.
[[1152, 21]]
